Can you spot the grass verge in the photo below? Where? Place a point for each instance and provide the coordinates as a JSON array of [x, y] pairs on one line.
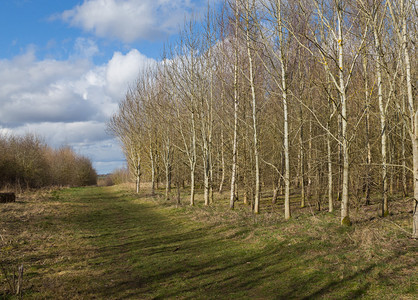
[[108, 243]]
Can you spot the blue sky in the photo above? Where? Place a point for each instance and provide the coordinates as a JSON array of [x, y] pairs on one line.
[[64, 66]]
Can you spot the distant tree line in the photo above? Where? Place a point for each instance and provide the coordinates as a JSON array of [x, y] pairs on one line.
[[118, 176], [27, 162], [269, 98]]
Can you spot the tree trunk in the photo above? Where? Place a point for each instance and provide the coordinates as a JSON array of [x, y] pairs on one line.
[[368, 146], [167, 163], [206, 179], [415, 166], [254, 113], [302, 162], [345, 215], [137, 184], [275, 193], [309, 162], [302, 177], [178, 191], [329, 153], [414, 129], [285, 119], [382, 111], [152, 171], [235, 141], [221, 184], [167, 182], [192, 185], [138, 176], [330, 199], [318, 189], [192, 160], [404, 179]]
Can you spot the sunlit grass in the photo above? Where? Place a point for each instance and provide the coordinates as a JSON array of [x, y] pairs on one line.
[[109, 243]]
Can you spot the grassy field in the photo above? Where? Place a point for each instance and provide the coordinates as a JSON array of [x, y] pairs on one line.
[[108, 243]]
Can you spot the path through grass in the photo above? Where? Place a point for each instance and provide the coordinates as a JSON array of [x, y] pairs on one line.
[[108, 243]]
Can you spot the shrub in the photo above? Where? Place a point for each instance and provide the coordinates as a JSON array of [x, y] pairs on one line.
[[28, 162]]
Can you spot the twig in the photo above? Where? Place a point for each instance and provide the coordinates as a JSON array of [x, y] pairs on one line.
[[311, 210], [349, 236], [15, 281], [19, 281], [407, 232]]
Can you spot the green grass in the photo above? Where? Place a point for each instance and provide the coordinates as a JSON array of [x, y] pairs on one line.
[[108, 243]]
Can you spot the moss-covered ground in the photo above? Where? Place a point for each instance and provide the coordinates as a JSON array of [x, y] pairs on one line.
[[108, 243]]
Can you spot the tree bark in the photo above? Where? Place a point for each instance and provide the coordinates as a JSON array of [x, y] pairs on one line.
[[329, 157], [235, 139], [401, 30], [329, 153], [254, 112], [382, 112], [345, 215], [302, 162], [287, 213], [367, 129]]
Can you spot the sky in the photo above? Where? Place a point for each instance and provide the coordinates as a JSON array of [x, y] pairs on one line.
[[65, 65]]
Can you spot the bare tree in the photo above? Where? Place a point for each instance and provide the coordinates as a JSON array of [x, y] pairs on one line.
[[399, 12]]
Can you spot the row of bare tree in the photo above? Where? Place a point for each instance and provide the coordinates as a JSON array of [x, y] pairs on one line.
[[308, 97], [27, 162]]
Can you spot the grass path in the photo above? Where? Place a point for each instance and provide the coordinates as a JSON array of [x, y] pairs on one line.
[[106, 243]]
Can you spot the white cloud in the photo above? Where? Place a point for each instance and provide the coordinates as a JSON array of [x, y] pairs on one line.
[[129, 20], [104, 152], [33, 90], [71, 90], [60, 133], [67, 102], [85, 48], [123, 69]]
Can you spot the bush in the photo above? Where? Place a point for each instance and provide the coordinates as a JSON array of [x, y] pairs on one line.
[[117, 177], [28, 162], [121, 175], [105, 180]]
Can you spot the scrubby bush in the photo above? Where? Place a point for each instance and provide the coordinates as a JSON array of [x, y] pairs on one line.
[[84, 172], [28, 162], [121, 175], [116, 177], [105, 180]]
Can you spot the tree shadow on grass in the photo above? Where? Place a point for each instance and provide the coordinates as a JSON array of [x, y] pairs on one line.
[[140, 250]]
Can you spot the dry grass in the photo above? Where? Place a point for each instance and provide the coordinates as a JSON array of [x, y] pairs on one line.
[[111, 243], [34, 234]]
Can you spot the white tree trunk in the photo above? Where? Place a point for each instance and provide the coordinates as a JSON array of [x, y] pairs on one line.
[[151, 154], [382, 112], [285, 116], [221, 184], [235, 140], [193, 161], [302, 162], [404, 178], [137, 184], [367, 128], [330, 200], [345, 215], [254, 114], [167, 164], [414, 127], [399, 22]]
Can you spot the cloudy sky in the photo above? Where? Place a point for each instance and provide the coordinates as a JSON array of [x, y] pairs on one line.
[[65, 65]]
